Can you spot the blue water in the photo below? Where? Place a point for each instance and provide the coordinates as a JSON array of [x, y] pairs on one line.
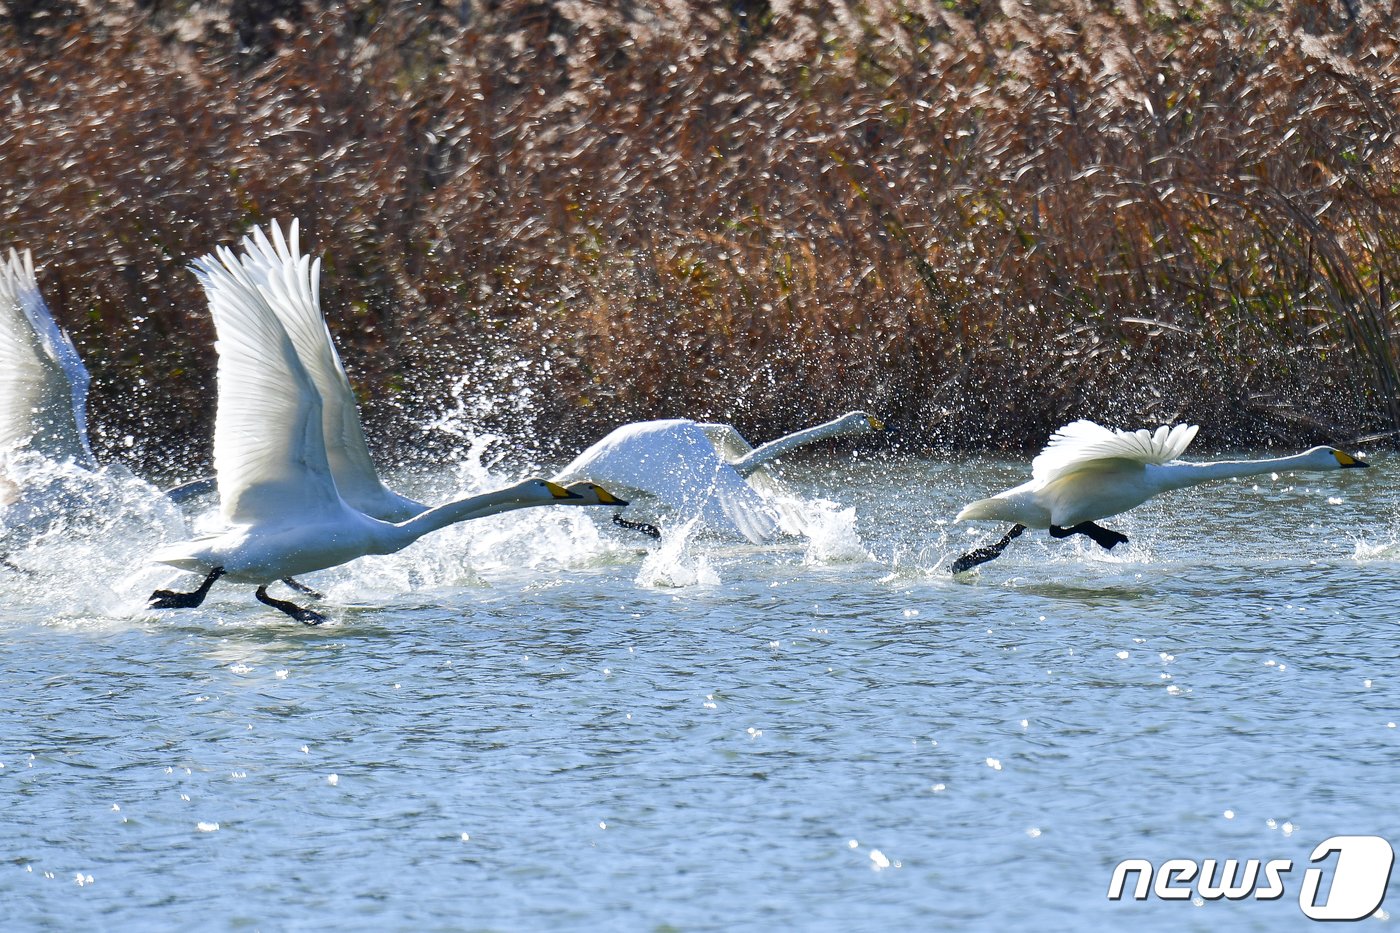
[[543, 722]]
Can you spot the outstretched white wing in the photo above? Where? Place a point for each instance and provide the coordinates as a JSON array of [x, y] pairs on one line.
[[43, 383], [729, 443], [732, 447], [291, 283], [675, 462], [269, 451], [1081, 443]]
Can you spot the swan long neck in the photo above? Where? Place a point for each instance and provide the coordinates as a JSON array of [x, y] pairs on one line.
[[763, 453], [400, 535], [1178, 475]]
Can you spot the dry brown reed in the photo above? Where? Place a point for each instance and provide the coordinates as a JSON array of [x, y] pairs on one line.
[[980, 220]]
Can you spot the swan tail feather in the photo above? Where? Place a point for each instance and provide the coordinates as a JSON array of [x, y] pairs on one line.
[[988, 510]]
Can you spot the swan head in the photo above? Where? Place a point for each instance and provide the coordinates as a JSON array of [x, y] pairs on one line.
[[1330, 458], [593, 494], [859, 422], [542, 490]]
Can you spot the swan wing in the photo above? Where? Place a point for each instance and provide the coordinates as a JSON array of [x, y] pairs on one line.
[[269, 450], [729, 443], [732, 447], [291, 284], [675, 462], [43, 383], [1082, 443]]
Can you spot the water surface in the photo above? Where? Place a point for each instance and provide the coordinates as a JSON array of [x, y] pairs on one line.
[[540, 721]]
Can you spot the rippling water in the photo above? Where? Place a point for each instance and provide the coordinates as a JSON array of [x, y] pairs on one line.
[[540, 721]]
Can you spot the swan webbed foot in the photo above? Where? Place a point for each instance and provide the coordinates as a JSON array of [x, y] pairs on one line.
[[990, 552], [1105, 538], [651, 531], [303, 588], [172, 599], [305, 616]]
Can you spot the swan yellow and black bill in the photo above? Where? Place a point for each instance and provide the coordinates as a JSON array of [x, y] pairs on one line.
[[600, 495], [559, 492], [1347, 461], [876, 424], [608, 498]]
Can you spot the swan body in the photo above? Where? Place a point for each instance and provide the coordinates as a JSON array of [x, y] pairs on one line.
[[1088, 472], [700, 468], [261, 552], [278, 494]]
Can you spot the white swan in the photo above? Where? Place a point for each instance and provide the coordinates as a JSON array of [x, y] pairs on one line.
[[277, 493], [43, 386], [701, 468], [43, 383], [1087, 472]]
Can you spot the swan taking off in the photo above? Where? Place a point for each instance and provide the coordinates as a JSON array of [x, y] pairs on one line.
[[43, 390], [1088, 472], [278, 495], [703, 469], [43, 383]]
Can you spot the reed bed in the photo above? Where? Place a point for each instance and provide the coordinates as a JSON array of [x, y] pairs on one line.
[[547, 218]]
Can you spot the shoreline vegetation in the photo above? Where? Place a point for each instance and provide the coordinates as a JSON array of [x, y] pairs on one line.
[[544, 219]]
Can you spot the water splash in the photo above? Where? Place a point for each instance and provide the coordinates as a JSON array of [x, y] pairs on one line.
[[675, 563], [74, 535], [829, 528]]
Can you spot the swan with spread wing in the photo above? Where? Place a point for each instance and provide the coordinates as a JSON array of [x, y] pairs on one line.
[[1088, 472], [279, 495], [702, 469]]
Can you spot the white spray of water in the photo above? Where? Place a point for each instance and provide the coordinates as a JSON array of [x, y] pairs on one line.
[[675, 563], [74, 537]]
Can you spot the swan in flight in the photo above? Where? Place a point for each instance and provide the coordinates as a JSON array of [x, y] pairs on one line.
[[43, 385], [701, 468], [278, 495], [1087, 472]]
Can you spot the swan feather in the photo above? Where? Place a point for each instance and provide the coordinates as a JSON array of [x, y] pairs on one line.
[[42, 380], [269, 448], [1083, 443]]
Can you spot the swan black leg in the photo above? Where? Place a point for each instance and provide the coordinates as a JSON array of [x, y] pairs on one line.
[[990, 552], [1104, 537], [170, 599], [303, 588], [309, 616], [651, 531]]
